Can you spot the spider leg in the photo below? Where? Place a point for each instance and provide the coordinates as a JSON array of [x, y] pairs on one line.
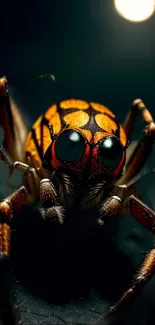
[[23, 167], [146, 217], [31, 177], [15, 131], [51, 210], [112, 205], [137, 105], [18, 165], [143, 148], [8, 206]]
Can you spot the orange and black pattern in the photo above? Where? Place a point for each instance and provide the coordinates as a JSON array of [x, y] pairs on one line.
[[93, 119]]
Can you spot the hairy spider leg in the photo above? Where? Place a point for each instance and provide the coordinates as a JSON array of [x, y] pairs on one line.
[[8, 206], [146, 217]]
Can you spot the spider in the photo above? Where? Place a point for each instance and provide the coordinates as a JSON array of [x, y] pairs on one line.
[[74, 159]]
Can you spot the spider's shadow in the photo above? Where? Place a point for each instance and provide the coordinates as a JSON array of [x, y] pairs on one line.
[[56, 272]]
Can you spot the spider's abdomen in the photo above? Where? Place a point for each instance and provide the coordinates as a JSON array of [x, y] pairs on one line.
[[93, 119]]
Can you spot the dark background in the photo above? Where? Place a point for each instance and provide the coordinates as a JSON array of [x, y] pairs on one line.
[[96, 55], [92, 51]]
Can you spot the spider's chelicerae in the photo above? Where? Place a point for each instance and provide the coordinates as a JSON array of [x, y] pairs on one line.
[[74, 159]]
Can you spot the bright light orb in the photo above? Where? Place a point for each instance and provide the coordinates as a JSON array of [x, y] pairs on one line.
[[135, 10]]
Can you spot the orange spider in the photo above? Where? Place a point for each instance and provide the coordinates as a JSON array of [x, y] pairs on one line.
[[74, 159]]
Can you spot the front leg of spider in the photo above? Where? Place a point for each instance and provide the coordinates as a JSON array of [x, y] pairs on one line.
[[51, 211], [11, 204], [112, 204]]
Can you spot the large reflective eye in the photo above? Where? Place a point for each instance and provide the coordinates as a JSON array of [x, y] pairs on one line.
[[110, 151], [70, 145]]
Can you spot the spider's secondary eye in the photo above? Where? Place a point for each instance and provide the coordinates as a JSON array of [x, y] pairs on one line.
[[70, 145], [111, 151]]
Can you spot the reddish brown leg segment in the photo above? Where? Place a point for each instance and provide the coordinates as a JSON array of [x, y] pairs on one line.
[[142, 212], [147, 218], [144, 147], [112, 204], [11, 204], [145, 273]]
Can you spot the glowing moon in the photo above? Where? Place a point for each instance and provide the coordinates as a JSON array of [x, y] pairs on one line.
[[135, 10]]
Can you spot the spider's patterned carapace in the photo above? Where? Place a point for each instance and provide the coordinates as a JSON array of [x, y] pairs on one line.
[[93, 120]]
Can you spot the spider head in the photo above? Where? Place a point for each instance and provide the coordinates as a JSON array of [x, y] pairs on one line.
[[76, 151]]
